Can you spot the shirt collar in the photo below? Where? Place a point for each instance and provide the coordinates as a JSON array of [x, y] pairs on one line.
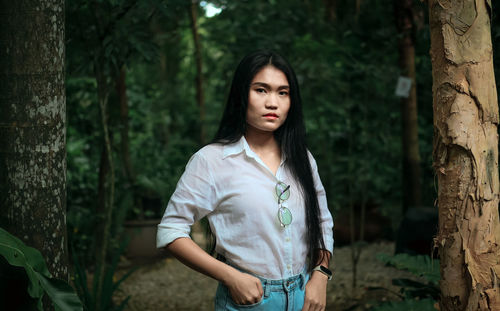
[[237, 148]]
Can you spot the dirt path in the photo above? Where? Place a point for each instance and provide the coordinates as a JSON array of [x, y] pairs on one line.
[[169, 285]]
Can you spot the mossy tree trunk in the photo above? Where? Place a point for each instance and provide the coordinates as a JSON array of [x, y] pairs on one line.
[[466, 153], [33, 127]]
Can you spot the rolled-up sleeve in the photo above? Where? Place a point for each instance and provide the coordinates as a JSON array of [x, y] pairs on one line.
[[193, 198], [326, 220]]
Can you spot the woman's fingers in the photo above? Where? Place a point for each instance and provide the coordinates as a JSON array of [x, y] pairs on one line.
[[245, 289], [315, 296], [313, 305]]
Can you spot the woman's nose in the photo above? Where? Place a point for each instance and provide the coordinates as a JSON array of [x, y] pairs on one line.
[[272, 102]]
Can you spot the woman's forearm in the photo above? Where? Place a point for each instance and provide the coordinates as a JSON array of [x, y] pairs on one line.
[[244, 288], [324, 260], [190, 254]]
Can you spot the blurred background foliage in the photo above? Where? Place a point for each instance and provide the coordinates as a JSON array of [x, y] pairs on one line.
[[346, 64]]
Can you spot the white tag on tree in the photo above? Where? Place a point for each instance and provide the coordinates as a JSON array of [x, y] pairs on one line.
[[403, 87]]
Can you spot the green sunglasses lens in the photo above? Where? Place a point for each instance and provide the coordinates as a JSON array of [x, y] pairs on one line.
[[285, 216], [282, 191]]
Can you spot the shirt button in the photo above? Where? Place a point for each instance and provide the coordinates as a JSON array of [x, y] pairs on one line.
[[287, 239], [288, 267]]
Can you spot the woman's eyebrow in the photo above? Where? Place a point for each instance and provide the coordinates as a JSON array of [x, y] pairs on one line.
[[267, 86]]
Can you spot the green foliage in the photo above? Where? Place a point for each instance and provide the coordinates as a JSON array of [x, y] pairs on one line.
[[105, 35], [419, 265], [417, 295], [88, 295], [407, 305], [417, 290], [83, 154], [17, 254]]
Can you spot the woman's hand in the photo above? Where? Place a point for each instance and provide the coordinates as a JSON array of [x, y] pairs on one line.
[[245, 289], [315, 299]]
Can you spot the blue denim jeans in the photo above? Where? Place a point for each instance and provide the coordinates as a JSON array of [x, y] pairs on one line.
[[279, 295]]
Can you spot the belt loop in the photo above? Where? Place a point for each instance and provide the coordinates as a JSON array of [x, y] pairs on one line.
[[267, 288], [303, 277]]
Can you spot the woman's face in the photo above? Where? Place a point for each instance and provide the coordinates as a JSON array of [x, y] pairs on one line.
[[268, 100]]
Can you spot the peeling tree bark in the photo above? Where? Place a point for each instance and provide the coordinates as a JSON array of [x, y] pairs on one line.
[[33, 127], [466, 153]]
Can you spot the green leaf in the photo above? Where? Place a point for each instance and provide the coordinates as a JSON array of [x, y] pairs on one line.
[[18, 254], [62, 295], [109, 285]]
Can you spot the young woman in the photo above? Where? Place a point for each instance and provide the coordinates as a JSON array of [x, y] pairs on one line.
[[259, 187]]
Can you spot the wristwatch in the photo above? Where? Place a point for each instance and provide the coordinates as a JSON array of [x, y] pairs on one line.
[[324, 270]]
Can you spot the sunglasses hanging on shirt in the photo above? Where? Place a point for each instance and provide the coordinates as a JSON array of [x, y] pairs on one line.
[[283, 193]]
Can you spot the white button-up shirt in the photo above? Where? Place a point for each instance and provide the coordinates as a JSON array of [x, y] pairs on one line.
[[236, 191]]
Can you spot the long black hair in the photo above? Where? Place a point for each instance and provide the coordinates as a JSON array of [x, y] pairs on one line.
[[291, 135]]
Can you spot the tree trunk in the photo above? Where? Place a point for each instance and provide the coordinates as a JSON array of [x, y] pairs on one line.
[[465, 154], [33, 127], [358, 8], [121, 90], [330, 10], [101, 197], [193, 9], [107, 186], [403, 10]]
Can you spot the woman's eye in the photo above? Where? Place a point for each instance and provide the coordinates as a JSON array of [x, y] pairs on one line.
[[283, 93], [260, 90]]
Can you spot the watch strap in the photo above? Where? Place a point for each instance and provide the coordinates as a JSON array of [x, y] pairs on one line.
[[324, 270]]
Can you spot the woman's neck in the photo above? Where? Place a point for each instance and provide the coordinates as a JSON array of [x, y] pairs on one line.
[[260, 141], [266, 147]]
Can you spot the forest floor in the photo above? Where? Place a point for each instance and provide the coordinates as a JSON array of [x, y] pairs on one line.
[[169, 285]]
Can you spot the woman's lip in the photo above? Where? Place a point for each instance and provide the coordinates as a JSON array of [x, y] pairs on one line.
[[271, 115]]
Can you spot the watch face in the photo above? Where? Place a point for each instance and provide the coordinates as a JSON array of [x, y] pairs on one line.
[[325, 270]]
